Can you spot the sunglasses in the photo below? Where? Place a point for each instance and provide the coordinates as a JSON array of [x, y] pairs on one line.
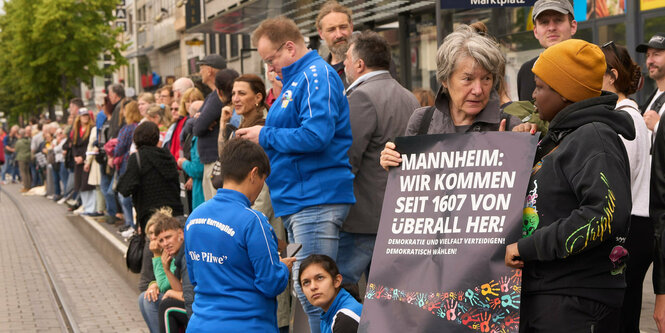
[[610, 45]]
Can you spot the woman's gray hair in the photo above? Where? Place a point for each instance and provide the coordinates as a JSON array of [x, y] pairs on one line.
[[467, 42]]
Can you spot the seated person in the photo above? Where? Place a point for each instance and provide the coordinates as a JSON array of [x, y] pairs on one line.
[[172, 313], [232, 250], [321, 282], [150, 298]]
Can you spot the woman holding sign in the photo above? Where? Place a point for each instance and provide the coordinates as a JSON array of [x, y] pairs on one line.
[[578, 206], [470, 67]]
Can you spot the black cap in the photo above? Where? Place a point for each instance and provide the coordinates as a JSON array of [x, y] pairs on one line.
[[213, 60], [656, 42]]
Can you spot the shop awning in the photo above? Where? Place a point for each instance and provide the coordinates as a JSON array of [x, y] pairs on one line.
[[244, 17]]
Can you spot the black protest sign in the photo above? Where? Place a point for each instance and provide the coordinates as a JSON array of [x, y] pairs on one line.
[[449, 211]]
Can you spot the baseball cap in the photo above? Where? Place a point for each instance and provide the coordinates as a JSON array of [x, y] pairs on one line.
[[83, 112], [213, 60], [561, 6], [656, 42]]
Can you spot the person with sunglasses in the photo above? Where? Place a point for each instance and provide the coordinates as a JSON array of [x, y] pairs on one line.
[[623, 77]]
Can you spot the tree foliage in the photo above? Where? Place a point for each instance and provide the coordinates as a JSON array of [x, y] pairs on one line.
[[50, 46]]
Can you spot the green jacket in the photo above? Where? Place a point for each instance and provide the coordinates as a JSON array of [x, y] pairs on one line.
[[23, 150], [527, 112]]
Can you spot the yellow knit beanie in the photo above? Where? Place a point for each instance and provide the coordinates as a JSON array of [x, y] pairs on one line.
[[573, 68]]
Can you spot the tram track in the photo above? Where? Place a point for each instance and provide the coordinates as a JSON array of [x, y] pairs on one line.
[[65, 314]]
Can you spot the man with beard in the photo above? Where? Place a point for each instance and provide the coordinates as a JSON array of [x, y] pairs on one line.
[[655, 105], [335, 27]]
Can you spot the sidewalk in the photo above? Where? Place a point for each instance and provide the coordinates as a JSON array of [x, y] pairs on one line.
[[99, 298]]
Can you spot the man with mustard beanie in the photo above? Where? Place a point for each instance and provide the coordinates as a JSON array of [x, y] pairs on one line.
[[577, 211]]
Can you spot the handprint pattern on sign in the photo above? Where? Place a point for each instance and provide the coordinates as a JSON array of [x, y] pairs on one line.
[[490, 307]]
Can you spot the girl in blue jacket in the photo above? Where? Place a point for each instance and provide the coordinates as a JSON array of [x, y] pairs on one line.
[[321, 282]]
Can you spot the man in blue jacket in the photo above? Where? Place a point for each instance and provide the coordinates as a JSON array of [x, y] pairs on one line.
[[306, 136]]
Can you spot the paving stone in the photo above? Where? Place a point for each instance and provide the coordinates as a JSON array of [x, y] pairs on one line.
[[97, 296]]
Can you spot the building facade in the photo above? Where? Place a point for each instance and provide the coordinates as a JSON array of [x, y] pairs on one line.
[[167, 37]]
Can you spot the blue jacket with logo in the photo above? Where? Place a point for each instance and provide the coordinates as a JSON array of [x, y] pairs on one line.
[[306, 136], [233, 265], [343, 315]]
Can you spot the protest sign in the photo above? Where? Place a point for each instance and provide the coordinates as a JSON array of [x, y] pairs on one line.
[[449, 211]]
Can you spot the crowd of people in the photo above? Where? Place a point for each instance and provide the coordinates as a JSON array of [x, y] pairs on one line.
[[220, 175]]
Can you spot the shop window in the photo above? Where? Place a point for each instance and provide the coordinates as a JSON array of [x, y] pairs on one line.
[[234, 46], [212, 46], [614, 32], [422, 39], [222, 45], [600, 8]]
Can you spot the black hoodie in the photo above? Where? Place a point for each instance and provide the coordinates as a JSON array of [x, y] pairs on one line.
[[577, 210], [153, 184]]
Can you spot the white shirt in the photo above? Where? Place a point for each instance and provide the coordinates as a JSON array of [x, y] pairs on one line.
[[639, 159], [660, 112]]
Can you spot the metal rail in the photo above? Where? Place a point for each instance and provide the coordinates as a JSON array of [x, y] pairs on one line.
[[66, 318]]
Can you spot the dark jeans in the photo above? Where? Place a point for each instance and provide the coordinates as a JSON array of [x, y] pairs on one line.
[[59, 178], [36, 175], [569, 314], [639, 243], [174, 312]]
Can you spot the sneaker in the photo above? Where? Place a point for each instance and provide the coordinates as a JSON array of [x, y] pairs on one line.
[[50, 196], [71, 202], [94, 214], [78, 211], [110, 219], [62, 201], [127, 233]]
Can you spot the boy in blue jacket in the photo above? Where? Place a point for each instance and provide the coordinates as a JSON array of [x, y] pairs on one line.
[[231, 250]]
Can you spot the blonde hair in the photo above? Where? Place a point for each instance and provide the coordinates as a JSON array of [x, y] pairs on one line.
[[190, 95], [131, 113], [147, 97]]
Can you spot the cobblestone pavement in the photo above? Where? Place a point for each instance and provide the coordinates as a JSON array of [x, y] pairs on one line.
[[98, 299]]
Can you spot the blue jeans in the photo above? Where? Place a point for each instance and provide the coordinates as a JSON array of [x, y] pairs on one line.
[[36, 175], [317, 229], [9, 166], [107, 191], [58, 177], [150, 312], [126, 205], [354, 255]]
